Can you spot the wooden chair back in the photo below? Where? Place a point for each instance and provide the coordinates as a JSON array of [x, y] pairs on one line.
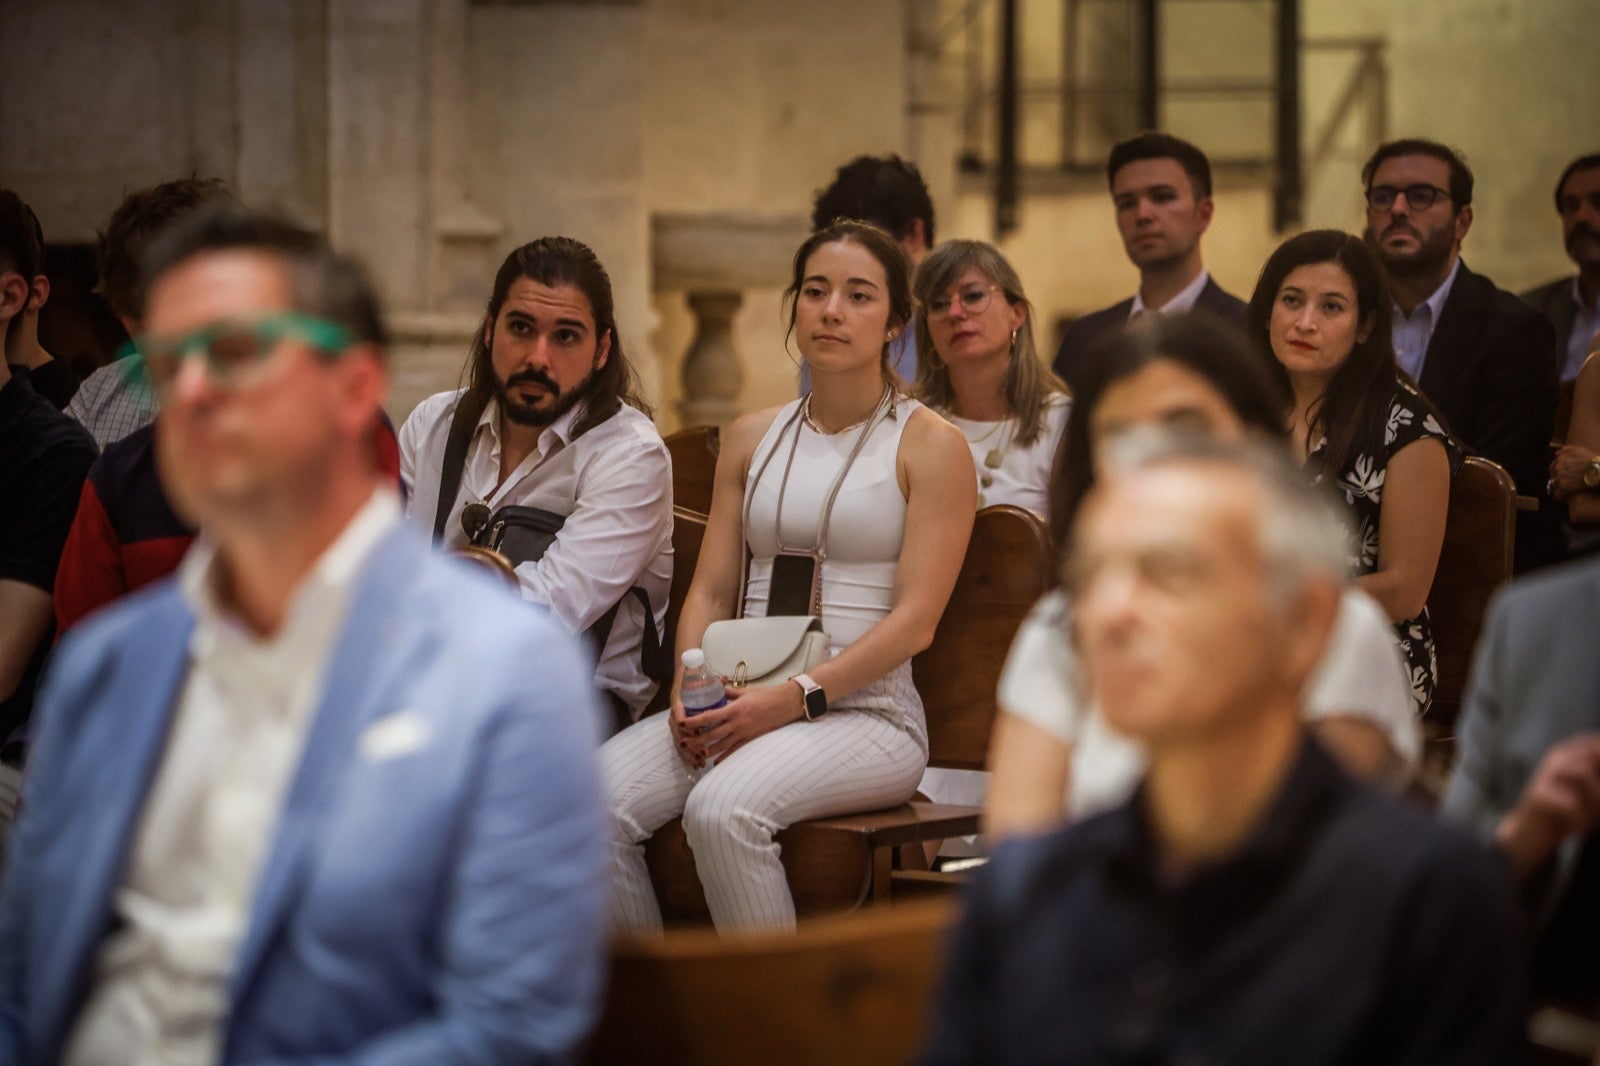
[[1475, 560], [688, 532], [694, 454], [846, 989], [1007, 568]]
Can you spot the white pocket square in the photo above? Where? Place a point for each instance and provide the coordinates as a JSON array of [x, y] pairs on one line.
[[394, 735]]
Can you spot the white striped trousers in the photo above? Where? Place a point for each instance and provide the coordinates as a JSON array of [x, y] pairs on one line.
[[850, 760]]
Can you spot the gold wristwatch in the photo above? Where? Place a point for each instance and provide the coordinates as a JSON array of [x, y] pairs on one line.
[[1591, 474]]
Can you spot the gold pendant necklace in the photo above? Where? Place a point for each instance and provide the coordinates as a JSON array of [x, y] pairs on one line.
[[992, 461]]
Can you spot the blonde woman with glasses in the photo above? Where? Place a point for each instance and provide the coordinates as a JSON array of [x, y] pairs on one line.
[[978, 367]]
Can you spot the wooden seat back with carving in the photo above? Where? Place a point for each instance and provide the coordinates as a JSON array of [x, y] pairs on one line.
[[1475, 560], [694, 454], [846, 989]]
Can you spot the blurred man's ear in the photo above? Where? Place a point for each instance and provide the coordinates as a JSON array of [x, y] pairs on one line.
[[364, 386], [915, 240], [39, 293], [1308, 626], [14, 295]]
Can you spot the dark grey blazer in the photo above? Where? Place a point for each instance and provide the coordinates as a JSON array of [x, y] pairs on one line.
[[1091, 329], [1554, 301], [1535, 681]]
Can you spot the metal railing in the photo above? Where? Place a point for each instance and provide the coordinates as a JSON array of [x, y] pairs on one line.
[[1108, 82]]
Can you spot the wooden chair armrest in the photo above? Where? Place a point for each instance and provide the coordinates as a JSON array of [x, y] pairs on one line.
[[918, 883], [909, 823]]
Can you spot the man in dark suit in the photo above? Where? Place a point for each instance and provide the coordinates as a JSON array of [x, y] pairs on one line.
[[1485, 358], [1572, 303], [1161, 187], [1528, 764]]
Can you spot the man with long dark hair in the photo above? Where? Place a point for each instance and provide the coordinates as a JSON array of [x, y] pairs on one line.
[[551, 438]]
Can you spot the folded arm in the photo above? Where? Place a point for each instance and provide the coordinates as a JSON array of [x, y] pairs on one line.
[[620, 522]]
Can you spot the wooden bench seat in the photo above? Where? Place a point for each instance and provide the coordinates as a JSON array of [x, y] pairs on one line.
[[845, 990]]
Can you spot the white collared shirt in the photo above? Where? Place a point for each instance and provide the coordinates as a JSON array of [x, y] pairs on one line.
[[159, 988], [1184, 301], [613, 484], [1414, 332]]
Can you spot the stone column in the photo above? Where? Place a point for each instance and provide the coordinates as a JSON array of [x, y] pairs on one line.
[[714, 258], [712, 375], [465, 236]]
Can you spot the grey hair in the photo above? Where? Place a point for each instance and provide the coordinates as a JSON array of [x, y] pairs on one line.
[[1302, 529]]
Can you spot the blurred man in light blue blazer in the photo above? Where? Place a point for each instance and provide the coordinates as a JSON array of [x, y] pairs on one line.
[[324, 796]]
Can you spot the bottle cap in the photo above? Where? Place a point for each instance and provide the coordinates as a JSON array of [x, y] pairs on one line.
[[693, 659]]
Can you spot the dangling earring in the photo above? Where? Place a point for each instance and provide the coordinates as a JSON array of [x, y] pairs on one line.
[[1013, 342]]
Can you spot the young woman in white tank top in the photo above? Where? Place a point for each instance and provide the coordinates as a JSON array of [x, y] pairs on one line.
[[891, 549]]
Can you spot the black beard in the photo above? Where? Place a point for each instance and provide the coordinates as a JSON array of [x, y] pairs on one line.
[[1433, 251], [528, 415]]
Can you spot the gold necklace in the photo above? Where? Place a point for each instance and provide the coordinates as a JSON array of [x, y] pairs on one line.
[[995, 457], [805, 416]]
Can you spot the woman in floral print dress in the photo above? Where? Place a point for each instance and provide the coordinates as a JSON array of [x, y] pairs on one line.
[[1322, 311]]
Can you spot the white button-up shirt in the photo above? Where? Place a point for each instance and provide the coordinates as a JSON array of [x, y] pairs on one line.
[[613, 484], [158, 991], [1414, 332], [1184, 301]]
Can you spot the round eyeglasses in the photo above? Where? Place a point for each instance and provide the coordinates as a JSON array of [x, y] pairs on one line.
[[973, 302], [1420, 196]]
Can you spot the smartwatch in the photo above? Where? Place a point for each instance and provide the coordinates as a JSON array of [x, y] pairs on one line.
[[816, 701], [1591, 474]]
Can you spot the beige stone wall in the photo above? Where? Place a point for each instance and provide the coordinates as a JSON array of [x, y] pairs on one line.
[[431, 136], [750, 107], [1514, 85]]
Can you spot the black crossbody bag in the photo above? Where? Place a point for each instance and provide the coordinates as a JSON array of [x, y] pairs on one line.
[[524, 534]]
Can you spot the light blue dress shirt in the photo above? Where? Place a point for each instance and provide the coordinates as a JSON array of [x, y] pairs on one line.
[[1412, 333]]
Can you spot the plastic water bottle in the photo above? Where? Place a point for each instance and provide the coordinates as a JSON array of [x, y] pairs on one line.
[[701, 688]]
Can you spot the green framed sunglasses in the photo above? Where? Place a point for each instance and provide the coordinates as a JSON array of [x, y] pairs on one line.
[[234, 350]]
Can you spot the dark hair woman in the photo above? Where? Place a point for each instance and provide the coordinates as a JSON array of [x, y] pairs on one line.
[[1320, 318], [977, 366], [881, 491]]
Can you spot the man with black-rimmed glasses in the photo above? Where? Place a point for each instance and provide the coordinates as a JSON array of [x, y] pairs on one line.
[[1484, 357]]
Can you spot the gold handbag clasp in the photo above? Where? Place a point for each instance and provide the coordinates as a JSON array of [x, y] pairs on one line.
[[741, 673]]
